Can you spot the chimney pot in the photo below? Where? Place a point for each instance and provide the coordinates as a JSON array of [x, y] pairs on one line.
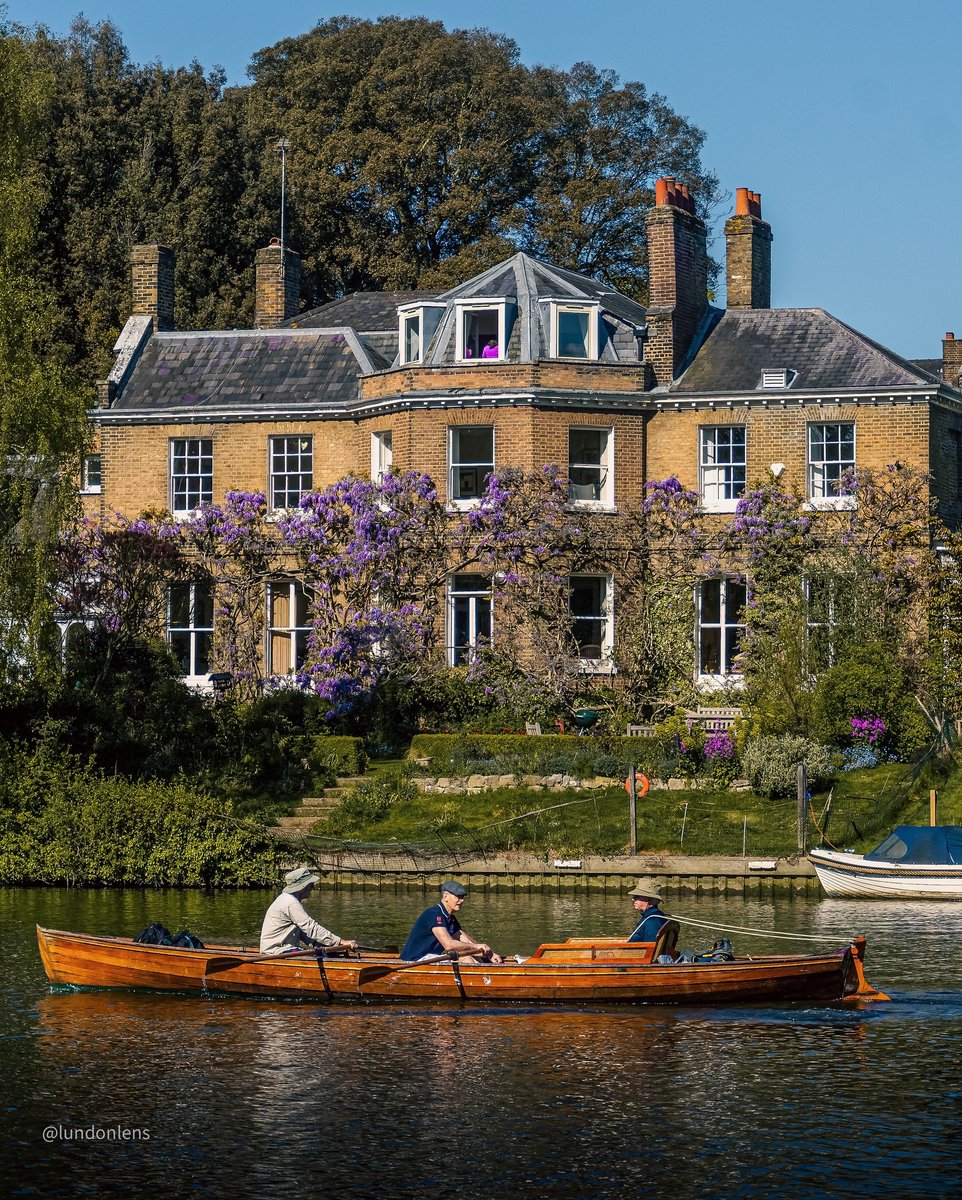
[[741, 202], [949, 337], [661, 191]]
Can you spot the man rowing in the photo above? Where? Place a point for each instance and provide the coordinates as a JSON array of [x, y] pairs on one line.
[[437, 930], [288, 924]]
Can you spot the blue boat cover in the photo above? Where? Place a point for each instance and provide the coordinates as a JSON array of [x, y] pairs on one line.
[[937, 845]]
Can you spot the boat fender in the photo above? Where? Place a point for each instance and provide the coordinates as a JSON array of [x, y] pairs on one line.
[[642, 784]]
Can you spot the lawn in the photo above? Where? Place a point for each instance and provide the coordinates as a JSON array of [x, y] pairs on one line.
[[863, 808]]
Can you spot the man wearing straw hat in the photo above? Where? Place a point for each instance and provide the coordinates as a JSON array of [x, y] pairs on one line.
[[647, 900], [287, 923]]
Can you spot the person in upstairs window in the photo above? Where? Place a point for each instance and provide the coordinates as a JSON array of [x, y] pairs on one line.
[[288, 924], [646, 899], [437, 930], [491, 349]]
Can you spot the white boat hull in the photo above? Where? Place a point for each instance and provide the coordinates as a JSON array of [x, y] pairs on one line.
[[843, 874]]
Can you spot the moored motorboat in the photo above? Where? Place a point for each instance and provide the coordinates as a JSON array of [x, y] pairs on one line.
[[922, 862], [579, 971]]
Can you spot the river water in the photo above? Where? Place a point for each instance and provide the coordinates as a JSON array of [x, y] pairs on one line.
[[113, 1093]]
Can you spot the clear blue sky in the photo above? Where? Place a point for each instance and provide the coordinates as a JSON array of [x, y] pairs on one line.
[[843, 114]]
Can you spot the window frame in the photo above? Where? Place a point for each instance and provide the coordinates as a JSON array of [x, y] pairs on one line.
[[727, 626], [195, 630], [728, 503], [382, 453], [86, 487], [206, 495], [826, 498], [462, 309], [296, 634], [592, 311], [602, 662], [480, 605], [273, 475], [454, 436], [606, 467]]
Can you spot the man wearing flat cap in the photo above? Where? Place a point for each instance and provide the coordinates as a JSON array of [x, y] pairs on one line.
[[288, 924], [437, 930], [646, 899]]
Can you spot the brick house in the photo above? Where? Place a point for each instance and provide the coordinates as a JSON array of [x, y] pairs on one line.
[[523, 365]]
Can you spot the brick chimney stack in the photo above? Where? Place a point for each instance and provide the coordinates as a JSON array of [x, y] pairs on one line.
[[951, 360], [677, 278], [278, 287], [152, 284], [748, 242]]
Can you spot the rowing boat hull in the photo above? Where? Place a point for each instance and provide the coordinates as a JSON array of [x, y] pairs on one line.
[[843, 874], [566, 974]]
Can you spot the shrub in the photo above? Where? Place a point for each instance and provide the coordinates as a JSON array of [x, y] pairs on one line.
[[62, 822], [770, 764], [371, 801], [870, 681], [505, 754], [333, 754]]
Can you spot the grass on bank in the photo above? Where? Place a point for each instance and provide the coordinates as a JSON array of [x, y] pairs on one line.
[[863, 808]]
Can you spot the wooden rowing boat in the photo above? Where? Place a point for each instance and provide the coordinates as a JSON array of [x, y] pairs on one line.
[[578, 971]]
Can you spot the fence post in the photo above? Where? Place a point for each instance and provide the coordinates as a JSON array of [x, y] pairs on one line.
[[932, 807], [632, 811], [802, 815]]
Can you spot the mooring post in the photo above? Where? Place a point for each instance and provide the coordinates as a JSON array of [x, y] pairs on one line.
[[932, 807], [632, 811], [802, 780]]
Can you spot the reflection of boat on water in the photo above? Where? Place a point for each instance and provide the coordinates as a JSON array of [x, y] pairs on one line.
[[914, 861], [578, 971]]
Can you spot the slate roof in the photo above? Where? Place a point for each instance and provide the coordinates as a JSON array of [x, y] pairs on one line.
[[364, 311], [527, 283], [259, 368], [825, 353]]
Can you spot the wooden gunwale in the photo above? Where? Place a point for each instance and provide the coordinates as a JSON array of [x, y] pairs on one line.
[[566, 973]]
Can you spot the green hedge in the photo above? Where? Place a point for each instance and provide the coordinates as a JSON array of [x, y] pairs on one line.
[[341, 754], [450, 752], [62, 822]]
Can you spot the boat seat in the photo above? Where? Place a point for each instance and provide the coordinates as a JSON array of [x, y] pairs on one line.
[[666, 941]]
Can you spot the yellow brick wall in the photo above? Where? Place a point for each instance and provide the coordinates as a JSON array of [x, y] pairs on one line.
[[773, 434]]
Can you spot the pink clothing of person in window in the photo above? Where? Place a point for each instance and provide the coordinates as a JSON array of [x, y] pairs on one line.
[[491, 349]]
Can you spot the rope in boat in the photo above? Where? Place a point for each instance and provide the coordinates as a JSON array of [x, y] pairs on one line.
[[796, 937]]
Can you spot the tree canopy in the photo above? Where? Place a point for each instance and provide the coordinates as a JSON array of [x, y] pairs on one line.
[[418, 157], [42, 413]]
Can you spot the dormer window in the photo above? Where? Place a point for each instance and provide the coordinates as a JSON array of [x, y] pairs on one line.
[[482, 332], [574, 331], [779, 378], [416, 327]]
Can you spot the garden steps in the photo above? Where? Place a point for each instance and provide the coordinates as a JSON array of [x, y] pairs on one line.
[[316, 808]]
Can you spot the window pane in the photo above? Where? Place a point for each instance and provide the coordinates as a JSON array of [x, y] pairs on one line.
[[480, 331], [572, 334], [180, 648], [711, 651], [203, 605], [587, 604], [412, 338], [711, 601], [474, 445], [179, 605]]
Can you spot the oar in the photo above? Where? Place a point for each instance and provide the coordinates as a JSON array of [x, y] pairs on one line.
[[227, 962], [376, 970]]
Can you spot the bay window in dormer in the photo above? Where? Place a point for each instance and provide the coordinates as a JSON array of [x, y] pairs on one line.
[[417, 324], [574, 330]]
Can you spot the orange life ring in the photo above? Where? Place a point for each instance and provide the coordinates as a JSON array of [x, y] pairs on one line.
[[642, 784]]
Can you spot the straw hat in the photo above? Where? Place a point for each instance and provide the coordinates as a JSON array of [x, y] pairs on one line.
[[647, 889]]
